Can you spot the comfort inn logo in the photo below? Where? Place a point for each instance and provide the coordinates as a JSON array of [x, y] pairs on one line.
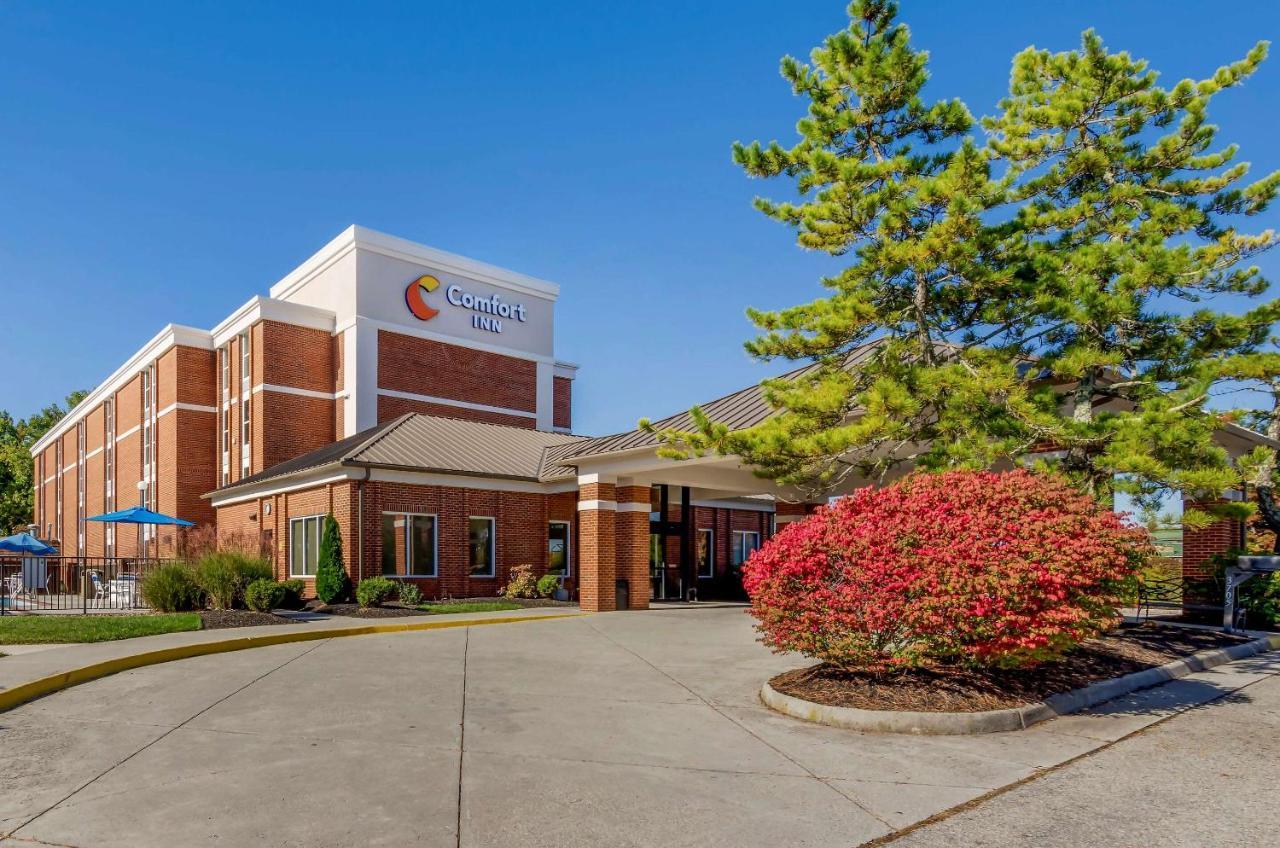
[[488, 310], [416, 297]]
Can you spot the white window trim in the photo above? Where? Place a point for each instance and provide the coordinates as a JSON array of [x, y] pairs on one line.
[[319, 535], [435, 546], [493, 547], [711, 550], [568, 548]]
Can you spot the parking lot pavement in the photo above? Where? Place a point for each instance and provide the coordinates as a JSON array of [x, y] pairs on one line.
[[613, 729], [1205, 777]]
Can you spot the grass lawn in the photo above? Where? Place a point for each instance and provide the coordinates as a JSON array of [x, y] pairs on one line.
[[473, 606], [37, 629]]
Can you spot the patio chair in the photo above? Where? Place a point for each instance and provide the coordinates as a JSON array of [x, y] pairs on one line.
[[13, 585], [99, 587]]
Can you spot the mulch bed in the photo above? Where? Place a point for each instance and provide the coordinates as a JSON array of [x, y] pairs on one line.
[[1125, 650], [223, 619]]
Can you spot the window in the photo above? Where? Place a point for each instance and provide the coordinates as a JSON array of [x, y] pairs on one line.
[[80, 487], [744, 543], [481, 545], [558, 548], [408, 545], [706, 552], [244, 363], [224, 414], [244, 404], [244, 437], [304, 545]]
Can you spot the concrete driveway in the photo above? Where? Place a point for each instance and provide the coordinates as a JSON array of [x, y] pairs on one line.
[[615, 729]]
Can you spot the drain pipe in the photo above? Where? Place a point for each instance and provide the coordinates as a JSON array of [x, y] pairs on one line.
[[360, 525]]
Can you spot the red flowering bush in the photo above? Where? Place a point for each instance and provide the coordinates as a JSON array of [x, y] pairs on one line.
[[968, 567]]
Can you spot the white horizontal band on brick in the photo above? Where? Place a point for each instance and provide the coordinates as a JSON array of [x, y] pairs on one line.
[[91, 454], [188, 407], [461, 404], [69, 468], [127, 433], [466, 481], [291, 390], [49, 480], [635, 506], [606, 505]]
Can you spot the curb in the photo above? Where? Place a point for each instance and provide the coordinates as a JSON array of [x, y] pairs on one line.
[[17, 695], [1014, 718]]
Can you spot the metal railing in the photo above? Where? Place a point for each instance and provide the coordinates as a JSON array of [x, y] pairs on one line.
[[72, 584]]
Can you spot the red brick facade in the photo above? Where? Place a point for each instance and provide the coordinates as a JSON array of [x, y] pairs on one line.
[[428, 367], [562, 403]]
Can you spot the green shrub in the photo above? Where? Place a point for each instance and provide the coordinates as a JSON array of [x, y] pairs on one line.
[[331, 572], [293, 590], [373, 591], [172, 588], [253, 568], [223, 575], [547, 585], [522, 583], [263, 595], [218, 575], [410, 595]]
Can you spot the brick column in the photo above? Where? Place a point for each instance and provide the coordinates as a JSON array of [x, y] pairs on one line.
[[1199, 547], [631, 542], [597, 569]]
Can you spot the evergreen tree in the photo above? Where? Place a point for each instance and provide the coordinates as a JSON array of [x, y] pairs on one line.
[[1126, 214], [1090, 263], [894, 183], [332, 583]]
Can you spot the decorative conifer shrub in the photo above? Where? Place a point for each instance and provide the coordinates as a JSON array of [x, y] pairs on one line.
[[963, 567], [332, 583]]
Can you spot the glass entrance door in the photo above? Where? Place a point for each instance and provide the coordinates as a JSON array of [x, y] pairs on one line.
[[657, 567]]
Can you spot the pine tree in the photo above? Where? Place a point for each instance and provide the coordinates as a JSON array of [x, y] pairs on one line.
[[1126, 210], [897, 185], [332, 583], [1090, 264]]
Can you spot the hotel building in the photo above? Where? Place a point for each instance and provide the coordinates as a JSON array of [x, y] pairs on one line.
[[415, 396]]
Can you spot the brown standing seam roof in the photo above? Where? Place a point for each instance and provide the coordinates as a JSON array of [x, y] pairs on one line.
[[420, 442], [740, 410]]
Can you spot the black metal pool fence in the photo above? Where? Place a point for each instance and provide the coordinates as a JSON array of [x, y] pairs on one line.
[[70, 584]]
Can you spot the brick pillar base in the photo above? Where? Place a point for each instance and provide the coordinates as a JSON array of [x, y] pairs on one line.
[[597, 567], [1199, 547], [631, 542]]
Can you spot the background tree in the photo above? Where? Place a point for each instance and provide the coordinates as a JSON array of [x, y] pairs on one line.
[[17, 481], [1091, 265]]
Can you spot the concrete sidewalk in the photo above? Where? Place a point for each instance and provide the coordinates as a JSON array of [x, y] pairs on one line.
[[58, 666]]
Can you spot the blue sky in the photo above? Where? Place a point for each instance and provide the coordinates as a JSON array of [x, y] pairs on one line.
[[161, 164]]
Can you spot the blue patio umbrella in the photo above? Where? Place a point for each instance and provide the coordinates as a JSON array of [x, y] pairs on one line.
[[25, 543], [141, 515]]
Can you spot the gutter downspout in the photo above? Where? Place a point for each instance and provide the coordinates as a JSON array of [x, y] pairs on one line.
[[360, 524]]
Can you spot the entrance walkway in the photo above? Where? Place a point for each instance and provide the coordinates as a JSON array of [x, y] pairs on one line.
[[638, 728]]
